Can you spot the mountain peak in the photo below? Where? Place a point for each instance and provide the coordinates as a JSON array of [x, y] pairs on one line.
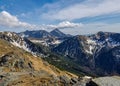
[[56, 29], [57, 33]]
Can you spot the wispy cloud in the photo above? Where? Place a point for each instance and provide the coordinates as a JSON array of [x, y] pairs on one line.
[[90, 8], [92, 28]]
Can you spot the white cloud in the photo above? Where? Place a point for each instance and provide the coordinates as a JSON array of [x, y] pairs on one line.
[[65, 24], [90, 8], [8, 20]]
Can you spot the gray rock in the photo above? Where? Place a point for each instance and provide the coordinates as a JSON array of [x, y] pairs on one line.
[[108, 81]]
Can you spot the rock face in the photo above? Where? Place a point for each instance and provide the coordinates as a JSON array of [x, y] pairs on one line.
[[108, 52], [99, 52], [76, 48], [107, 81]]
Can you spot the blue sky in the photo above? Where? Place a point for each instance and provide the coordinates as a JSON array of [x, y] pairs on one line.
[[70, 16]]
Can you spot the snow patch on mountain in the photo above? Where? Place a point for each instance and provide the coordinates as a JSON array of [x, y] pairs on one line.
[[16, 40], [43, 42], [46, 41], [91, 46], [56, 42], [21, 44], [89, 41], [109, 42], [9, 34]]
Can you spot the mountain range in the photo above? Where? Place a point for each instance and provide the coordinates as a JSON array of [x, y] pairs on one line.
[[43, 34], [98, 52], [45, 38], [20, 65], [34, 55]]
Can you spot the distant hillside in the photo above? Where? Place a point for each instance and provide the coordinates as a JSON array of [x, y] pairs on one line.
[[45, 38], [35, 34]]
